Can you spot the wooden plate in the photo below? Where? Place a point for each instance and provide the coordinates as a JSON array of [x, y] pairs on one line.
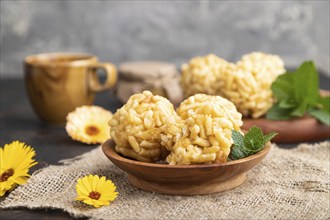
[[294, 130], [291, 131], [184, 179]]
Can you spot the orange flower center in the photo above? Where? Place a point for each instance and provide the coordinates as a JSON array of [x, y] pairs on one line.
[[94, 195], [92, 130], [5, 175]]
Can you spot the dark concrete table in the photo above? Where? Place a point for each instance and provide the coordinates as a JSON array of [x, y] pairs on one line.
[[18, 122]]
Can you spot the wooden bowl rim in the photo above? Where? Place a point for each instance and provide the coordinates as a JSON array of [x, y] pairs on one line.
[[109, 151]]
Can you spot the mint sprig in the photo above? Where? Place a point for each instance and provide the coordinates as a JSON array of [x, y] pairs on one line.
[[250, 144], [297, 93]]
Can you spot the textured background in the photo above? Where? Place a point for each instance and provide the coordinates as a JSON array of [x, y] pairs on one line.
[[169, 31]]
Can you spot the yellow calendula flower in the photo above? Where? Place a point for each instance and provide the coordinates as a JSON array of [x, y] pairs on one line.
[[95, 191], [89, 124], [15, 161]]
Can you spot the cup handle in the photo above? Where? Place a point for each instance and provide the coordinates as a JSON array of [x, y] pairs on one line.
[[94, 84]]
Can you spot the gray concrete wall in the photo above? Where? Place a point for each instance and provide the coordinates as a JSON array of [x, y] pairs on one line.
[[119, 31]]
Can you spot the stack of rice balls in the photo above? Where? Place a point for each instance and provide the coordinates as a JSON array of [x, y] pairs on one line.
[[246, 83], [147, 128]]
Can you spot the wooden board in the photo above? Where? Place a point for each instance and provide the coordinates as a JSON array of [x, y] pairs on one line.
[[294, 130], [291, 131]]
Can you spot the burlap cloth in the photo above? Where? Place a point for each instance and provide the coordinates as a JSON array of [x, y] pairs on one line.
[[288, 184]]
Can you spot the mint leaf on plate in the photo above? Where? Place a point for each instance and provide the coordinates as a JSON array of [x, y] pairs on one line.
[[269, 136], [322, 110], [297, 93], [253, 140], [250, 144], [282, 87], [306, 83], [278, 113], [320, 115], [239, 150], [325, 103]]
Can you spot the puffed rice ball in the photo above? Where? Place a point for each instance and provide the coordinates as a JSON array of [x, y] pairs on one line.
[[136, 127], [248, 83], [201, 75], [204, 132]]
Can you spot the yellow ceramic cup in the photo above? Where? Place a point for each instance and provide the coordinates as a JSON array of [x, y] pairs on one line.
[[57, 83]]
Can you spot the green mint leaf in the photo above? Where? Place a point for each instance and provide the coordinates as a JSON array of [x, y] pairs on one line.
[[237, 149], [269, 136], [321, 115], [282, 87], [287, 103], [278, 113], [237, 153], [321, 110], [250, 144], [253, 140], [325, 103], [300, 110], [238, 138], [306, 83], [297, 93]]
